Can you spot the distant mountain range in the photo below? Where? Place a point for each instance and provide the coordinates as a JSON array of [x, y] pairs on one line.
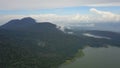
[[26, 43], [114, 27]]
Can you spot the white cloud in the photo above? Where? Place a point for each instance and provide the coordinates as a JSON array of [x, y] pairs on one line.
[[45, 4], [96, 16], [95, 36], [106, 16]]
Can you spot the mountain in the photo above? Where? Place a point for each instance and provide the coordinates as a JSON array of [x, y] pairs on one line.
[[30, 25], [19, 24], [26, 43]]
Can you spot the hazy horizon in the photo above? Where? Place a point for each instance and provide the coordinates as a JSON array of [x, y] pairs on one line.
[[62, 12]]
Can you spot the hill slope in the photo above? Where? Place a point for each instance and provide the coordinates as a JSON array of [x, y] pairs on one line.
[[27, 44]]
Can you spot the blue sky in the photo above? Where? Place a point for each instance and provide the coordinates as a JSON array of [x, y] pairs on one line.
[[62, 11], [62, 7]]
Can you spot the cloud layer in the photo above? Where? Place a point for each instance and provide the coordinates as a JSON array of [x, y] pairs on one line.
[[96, 36], [96, 16], [45, 4]]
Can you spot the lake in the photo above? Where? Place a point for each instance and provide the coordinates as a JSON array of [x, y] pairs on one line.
[[96, 58]]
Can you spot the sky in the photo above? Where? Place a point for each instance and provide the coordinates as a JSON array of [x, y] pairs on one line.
[[61, 11]]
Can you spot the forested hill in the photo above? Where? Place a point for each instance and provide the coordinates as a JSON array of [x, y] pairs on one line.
[[27, 44], [29, 25]]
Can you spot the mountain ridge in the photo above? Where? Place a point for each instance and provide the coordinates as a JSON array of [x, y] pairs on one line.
[[38, 44], [30, 25]]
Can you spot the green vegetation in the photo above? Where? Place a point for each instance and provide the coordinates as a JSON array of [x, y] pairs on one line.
[[32, 50], [36, 50], [35, 45], [79, 54]]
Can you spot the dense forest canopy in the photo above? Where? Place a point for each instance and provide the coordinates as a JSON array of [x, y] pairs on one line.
[[26, 43]]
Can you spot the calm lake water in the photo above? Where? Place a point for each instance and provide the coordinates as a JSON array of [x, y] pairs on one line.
[[96, 58]]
